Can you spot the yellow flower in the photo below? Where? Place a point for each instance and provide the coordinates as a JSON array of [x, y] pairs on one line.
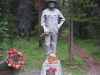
[[9, 64]]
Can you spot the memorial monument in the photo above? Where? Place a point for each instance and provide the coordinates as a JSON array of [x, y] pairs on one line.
[[6, 70], [49, 22]]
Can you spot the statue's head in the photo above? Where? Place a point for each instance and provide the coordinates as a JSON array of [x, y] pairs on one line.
[[51, 3], [51, 0]]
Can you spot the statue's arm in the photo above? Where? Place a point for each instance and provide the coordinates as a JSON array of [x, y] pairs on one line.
[[62, 19], [43, 19], [43, 24]]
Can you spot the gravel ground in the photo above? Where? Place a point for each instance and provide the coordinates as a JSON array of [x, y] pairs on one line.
[[35, 72]]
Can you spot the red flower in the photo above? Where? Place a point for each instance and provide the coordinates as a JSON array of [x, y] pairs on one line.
[[9, 57], [50, 68], [55, 69], [9, 60]]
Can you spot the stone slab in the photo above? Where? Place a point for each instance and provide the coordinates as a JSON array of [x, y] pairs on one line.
[[46, 66], [6, 70]]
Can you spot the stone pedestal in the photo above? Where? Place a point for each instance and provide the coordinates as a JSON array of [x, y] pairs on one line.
[[6, 70], [46, 66]]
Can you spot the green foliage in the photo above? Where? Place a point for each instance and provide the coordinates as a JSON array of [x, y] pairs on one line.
[[96, 50], [85, 16], [82, 17], [9, 19], [3, 29], [34, 21]]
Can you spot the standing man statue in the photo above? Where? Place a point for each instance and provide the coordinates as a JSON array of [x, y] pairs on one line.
[[49, 21]]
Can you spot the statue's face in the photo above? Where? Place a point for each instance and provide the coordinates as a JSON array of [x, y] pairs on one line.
[[51, 5]]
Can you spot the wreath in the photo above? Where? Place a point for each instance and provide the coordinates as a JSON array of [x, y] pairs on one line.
[[11, 62]]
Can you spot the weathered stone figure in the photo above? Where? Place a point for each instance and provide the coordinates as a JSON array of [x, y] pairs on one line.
[[49, 21]]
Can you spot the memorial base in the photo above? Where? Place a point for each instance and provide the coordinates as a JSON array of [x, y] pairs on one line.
[[51, 69]]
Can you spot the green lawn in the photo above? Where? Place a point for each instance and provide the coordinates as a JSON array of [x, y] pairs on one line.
[[35, 56]]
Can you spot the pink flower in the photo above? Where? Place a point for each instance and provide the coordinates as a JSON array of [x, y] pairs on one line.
[[12, 51], [23, 57], [21, 62], [15, 51]]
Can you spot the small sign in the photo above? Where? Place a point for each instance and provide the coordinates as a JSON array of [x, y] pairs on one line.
[[50, 72]]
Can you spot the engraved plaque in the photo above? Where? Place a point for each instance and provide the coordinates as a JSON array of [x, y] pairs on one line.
[[50, 72]]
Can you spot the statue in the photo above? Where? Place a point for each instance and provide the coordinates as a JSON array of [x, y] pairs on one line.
[[49, 21]]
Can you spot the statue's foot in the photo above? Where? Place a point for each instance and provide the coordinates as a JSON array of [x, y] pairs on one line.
[[53, 54]]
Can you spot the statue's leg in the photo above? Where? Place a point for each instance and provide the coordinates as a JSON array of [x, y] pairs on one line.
[[53, 43], [47, 44]]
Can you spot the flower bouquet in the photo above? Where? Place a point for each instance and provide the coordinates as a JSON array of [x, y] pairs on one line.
[[52, 59]]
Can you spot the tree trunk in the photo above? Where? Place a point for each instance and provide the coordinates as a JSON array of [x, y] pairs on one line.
[[70, 30], [40, 29]]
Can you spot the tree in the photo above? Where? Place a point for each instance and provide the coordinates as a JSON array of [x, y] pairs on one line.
[[70, 31], [10, 19], [3, 29], [40, 29], [38, 4], [7, 26], [82, 18], [23, 22]]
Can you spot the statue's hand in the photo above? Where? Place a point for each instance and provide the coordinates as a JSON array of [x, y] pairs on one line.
[[46, 30], [59, 26]]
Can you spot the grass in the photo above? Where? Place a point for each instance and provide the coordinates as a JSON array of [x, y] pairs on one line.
[[35, 56]]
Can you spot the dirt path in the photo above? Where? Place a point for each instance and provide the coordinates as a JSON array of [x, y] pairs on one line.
[[92, 64]]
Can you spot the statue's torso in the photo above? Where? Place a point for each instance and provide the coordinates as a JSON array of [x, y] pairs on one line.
[[51, 19]]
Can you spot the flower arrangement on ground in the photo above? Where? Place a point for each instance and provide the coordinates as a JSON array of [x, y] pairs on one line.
[[11, 62]]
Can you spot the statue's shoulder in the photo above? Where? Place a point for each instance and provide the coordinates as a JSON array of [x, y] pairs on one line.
[[45, 10], [57, 10]]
